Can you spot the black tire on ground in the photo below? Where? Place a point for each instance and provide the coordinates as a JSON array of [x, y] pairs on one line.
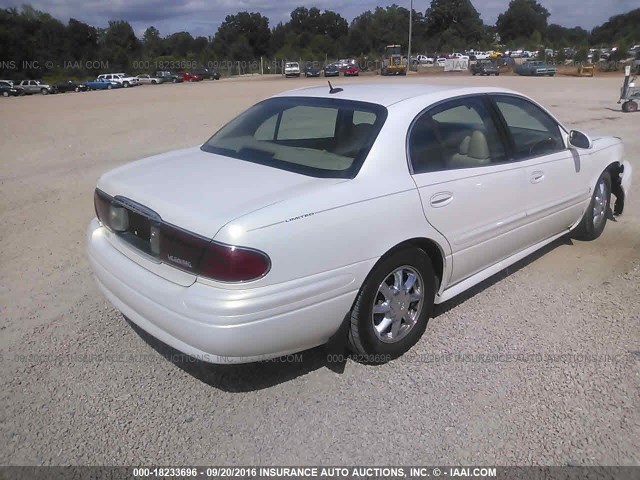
[[595, 218], [363, 338], [631, 106], [77, 89], [5, 94], [473, 73], [44, 91], [109, 87], [174, 80], [125, 84], [497, 74], [153, 82]]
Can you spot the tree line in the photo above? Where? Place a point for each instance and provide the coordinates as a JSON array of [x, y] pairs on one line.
[[31, 38]]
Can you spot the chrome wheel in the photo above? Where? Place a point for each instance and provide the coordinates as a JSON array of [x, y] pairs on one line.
[[397, 304], [600, 203]]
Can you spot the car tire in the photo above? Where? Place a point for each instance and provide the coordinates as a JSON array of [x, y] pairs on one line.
[[153, 82], [125, 84], [5, 94], [629, 106], [44, 91], [389, 287], [109, 87], [498, 74], [595, 218]]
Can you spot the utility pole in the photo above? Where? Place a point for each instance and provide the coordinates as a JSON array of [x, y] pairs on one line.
[[409, 49]]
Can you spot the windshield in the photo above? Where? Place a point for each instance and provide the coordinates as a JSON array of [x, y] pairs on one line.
[[320, 137]]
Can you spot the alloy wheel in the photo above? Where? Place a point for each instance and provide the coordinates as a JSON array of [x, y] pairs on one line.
[[397, 304]]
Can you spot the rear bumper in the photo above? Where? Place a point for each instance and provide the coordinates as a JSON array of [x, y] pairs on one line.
[[225, 325]]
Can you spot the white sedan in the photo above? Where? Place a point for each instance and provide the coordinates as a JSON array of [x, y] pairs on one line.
[[347, 213]]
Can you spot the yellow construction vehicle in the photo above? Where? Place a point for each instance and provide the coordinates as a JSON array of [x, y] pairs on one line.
[[393, 62]]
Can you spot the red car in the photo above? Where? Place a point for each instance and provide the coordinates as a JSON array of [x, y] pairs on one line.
[[190, 77], [351, 71]]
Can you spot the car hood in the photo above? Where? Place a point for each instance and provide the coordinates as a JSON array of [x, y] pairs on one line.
[[201, 192]]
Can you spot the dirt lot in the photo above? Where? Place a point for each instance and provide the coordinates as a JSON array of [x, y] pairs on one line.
[[81, 386]]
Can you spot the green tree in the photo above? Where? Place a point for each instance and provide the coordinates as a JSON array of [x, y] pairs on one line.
[[618, 27], [179, 44], [120, 45], [454, 22], [245, 33], [581, 55], [522, 18], [560, 36], [152, 42]]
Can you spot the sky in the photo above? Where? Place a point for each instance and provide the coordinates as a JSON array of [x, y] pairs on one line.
[[202, 17]]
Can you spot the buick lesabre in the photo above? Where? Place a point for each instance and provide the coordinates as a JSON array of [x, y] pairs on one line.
[[343, 211]]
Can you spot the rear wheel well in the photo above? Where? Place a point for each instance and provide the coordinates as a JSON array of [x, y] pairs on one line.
[[431, 248]]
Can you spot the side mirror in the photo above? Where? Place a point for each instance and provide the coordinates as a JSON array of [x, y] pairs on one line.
[[579, 139]]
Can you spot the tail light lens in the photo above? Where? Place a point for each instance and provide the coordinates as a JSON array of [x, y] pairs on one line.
[[182, 249], [233, 264]]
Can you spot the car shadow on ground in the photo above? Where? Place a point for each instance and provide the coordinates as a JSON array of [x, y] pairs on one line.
[[501, 275], [260, 375], [243, 377]]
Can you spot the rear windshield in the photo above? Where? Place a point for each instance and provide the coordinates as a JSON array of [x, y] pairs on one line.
[[319, 137]]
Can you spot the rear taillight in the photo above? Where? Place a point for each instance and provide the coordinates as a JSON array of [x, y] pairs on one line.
[[233, 264], [180, 248]]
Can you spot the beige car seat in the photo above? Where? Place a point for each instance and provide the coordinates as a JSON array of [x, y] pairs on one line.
[[473, 152]]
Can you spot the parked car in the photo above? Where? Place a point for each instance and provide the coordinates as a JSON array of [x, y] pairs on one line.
[[122, 78], [190, 77], [150, 79], [459, 56], [441, 61], [485, 67], [312, 71], [103, 84], [311, 251], [291, 69], [30, 87], [535, 68], [8, 90], [207, 73], [351, 71], [71, 86], [331, 70], [168, 76], [422, 60]]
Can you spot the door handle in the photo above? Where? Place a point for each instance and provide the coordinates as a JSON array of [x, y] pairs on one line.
[[441, 199], [537, 177]]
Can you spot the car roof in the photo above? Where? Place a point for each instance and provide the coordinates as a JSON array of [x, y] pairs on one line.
[[385, 94]]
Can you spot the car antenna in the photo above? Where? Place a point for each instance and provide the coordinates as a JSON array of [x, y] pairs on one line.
[[333, 90]]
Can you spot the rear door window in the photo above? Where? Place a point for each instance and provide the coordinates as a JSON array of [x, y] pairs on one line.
[[456, 134]]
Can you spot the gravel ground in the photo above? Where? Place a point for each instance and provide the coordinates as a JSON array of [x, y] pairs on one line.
[[539, 365]]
